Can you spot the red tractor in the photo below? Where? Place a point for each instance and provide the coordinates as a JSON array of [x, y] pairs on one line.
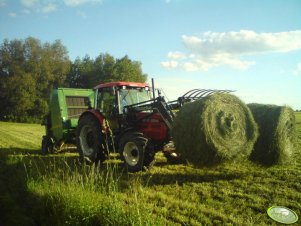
[[127, 117]]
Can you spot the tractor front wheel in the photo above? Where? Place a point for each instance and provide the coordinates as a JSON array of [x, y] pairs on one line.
[[135, 151], [89, 139]]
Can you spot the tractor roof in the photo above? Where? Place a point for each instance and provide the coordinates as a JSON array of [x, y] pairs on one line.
[[130, 84]]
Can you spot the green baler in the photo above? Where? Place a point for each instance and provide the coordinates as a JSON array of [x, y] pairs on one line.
[[66, 105]]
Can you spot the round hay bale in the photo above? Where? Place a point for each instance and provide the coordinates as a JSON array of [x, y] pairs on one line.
[[215, 128], [277, 134]]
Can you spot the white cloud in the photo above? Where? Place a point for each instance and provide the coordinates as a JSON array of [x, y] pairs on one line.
[[169, 64], [2, 3], [176, 55], [81, 2], [38, 6], [48, 8], [29, 3], [12, 14], [213, 49], [188, 66], [243, 42]]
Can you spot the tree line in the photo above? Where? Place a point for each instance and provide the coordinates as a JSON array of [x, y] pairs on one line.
[[30, 69]]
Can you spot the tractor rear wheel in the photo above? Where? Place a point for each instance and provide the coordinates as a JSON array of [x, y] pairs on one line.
[[135, 151], [89, 139]]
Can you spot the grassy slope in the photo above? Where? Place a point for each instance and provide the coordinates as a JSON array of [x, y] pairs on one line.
[[60, 191], [20, 136]]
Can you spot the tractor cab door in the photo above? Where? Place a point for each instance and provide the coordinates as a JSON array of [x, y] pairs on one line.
[[107, 104]]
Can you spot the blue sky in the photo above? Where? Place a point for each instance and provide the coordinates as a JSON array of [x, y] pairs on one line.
[[253, 47]]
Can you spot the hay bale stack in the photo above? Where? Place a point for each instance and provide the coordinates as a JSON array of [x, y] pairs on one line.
[[215, 128], [277, 134]]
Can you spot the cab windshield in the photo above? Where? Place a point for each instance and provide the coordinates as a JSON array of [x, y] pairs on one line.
[[133, 96]]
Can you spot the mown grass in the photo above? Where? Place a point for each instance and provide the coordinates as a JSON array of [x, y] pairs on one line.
[[58, 190]]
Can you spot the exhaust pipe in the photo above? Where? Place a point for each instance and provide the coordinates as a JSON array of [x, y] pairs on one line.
[[153, 88]]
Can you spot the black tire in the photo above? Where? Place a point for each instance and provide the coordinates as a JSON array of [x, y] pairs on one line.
[[47, 145], [135, 151], [89, 139]]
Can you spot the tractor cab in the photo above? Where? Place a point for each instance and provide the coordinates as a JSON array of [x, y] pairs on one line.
[[112, 98]]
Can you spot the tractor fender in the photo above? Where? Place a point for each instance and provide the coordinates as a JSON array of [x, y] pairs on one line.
[[100, 118]]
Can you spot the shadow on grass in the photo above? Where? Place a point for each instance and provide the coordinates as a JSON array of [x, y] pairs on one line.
[[18, 204], [18, 151], [22, 151]]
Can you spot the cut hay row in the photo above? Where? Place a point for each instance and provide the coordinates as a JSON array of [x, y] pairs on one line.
[[275, 143], [215, 128]]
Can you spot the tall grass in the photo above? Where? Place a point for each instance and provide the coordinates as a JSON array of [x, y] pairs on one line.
[[75, 194], [58, 190]]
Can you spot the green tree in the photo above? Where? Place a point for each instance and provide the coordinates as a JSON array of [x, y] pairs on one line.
[[87, 73], [104, 68], [29, 70], [21, 96], [54, 67], [128, 70]]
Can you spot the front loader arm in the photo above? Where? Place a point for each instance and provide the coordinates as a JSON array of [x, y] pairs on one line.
[[165, 109], [157, 105]]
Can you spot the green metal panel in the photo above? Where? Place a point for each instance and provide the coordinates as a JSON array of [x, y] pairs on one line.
[[66, 105]]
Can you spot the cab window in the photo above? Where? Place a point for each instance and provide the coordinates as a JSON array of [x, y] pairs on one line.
[[106, 100], [133, 96]]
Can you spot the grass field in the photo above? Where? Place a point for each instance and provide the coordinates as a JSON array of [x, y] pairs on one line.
[[58, 190]]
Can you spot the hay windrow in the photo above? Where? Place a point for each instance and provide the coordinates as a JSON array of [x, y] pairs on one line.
[[215, 128], [277, 129]]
